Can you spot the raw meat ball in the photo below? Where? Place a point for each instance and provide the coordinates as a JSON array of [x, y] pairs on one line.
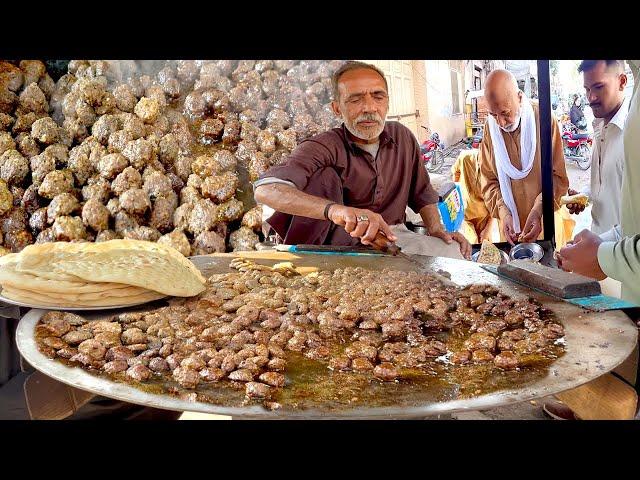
[[32, 99], [208, 242], [118, 141], [220, 188], [139, 152], [133, 126], [258, 165], [95, 215], [17, 240], [113, 205], [230, 210], [13, 167], [80, 165], [111, 165], [128, 179], [103, 128], [266, 142], [124, 222], [135, 201], [27, 146], [46, 236], [162, 212], [69, 228], [30, 200], [203, 217], [157, 184], [189, 195], [11, 77], [243, 239], [41, 165], [38, 220], [62, 205], [6, 121], [97, 188], [125, 99], [169, 149], [253, 219], [148, 109], [59, 152], [178, 240], [148, 234]]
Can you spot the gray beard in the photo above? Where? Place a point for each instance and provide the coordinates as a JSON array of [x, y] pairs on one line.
[[362, 135], [513, 126]]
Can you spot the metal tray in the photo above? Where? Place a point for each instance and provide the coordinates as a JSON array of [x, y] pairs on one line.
[[4, 299], [595, 344]]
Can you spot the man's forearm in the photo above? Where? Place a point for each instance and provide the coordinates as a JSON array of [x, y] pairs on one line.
[[287, 199], [537, 204], [431, 217]]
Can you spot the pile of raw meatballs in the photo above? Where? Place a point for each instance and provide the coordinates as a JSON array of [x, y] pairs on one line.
[[117, 150]]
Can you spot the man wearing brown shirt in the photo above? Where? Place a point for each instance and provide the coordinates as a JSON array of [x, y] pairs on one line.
[[360, 176], [509, 159]]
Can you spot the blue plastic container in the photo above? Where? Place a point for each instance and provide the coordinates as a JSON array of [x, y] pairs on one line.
[[451, 208]]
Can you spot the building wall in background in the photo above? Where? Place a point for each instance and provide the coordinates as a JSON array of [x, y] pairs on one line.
[[405, 81], [444, 107], [432, 93]]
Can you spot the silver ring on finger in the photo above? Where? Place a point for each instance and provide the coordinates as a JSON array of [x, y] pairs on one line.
[[362, 218]]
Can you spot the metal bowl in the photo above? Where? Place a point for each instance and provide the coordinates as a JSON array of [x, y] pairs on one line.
[[531, 252], [505, 257]]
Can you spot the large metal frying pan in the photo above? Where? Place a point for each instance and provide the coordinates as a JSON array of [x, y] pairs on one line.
[[595, 344]]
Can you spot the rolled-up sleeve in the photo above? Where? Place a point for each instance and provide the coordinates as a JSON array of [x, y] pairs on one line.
[[305, 160], [421, 192]]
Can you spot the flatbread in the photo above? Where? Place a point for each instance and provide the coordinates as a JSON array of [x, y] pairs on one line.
[[15, 258], [9, 277], [40, 300], [489, 253], [579, 198], [148, 265], [125, 292]]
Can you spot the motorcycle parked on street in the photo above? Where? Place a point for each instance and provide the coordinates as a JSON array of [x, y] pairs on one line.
[[432, 151], [577, 146], [475, 140]]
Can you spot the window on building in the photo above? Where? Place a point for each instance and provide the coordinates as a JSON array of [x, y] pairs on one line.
[[455, 92], [477, 82]]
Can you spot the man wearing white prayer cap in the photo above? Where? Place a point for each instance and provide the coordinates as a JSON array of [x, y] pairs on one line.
[[511, 178]]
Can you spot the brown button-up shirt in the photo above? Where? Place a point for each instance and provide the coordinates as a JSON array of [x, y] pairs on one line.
[[386, 184]]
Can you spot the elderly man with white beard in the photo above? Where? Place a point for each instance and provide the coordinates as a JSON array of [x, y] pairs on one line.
[[343, 186], [510, 168]]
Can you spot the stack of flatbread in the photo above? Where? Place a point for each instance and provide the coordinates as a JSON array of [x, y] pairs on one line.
[[117, 272]]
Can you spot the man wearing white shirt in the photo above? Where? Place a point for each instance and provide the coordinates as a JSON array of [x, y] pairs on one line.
[[604, 83], [618, 259]]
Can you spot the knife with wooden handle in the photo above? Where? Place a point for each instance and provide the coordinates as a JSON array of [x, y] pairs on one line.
[[383, 244], [380, 245]]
